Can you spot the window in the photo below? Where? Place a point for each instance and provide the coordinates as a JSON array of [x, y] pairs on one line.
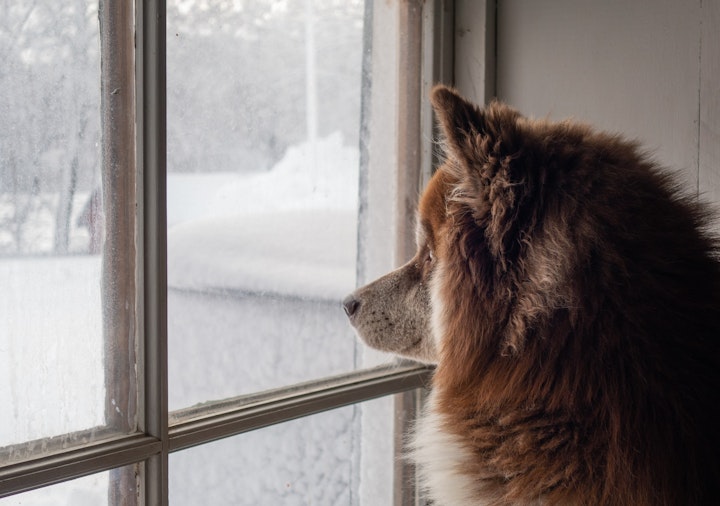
[[149, 316], [263, 136], [62, 384]]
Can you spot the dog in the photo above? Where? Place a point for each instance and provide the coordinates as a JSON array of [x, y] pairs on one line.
[[569, 294]]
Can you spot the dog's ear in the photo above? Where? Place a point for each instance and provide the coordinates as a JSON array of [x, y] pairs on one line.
[[472, 134], [489, 174], [460, 121]]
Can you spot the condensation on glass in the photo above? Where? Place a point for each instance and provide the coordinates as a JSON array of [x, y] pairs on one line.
[[67, 200], [312, 460], [263, 156], [90, 490]]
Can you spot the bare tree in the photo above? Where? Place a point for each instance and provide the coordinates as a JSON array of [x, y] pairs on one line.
[[49, 96]]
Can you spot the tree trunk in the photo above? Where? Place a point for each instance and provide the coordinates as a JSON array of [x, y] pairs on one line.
[[64, 208]]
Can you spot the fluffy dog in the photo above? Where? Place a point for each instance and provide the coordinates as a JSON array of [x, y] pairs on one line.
[[569, 294]]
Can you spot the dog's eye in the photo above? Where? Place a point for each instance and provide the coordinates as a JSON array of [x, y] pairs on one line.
[[429, 258]]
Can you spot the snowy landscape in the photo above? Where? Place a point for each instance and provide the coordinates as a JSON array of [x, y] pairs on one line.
[[248, 311], [262, 243], [263, 283]]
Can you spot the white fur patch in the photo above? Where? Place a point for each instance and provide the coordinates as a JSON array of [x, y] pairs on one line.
[[437, 453], [437, 315], [438, 456]]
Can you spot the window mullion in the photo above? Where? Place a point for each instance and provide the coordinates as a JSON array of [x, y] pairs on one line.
[[151, 153], [69, 464], [245, 413], [475, 41], [408, 180], [119, 188], [425, 58]]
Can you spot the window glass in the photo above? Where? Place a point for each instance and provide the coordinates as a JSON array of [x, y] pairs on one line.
[[58, 371], [111, 487], [262, 192], [312, 460], [52, 348]]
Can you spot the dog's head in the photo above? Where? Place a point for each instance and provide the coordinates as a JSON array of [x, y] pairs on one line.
[[395, 312], [474, 227]]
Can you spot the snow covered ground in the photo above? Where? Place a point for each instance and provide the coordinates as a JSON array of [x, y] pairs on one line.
[[257, 265], [259, 271], [290, 231], [50, 352]]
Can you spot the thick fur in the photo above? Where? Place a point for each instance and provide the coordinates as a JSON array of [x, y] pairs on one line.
[[569, 294]]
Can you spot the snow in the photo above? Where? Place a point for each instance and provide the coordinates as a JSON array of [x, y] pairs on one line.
[[302, 462], [320, 175], [323, 175], [190, 196], [87, 491], [51, 370], [308, 201], [237, 253], [257, 266], [51, 351]]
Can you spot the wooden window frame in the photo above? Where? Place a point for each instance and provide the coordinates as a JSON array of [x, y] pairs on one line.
[[425, 52]]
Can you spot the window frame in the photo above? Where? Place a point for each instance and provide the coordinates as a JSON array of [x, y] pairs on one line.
[[425, 48]]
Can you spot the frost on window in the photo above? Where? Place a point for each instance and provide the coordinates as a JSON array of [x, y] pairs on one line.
[[264, 101], [263, 135], [90, 490], [312, 460], [53, 359]]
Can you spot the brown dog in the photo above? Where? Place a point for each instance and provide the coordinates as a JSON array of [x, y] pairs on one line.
[[570, 297]]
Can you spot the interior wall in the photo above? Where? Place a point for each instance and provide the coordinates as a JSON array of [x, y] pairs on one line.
[[646, 68]]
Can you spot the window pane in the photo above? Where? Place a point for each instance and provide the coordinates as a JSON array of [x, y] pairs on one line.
[[58, 372], [52, 356], [262, 192], [93, 490], [312, 460]]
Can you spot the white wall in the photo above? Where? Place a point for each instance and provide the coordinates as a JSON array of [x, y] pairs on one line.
[[647, 68]]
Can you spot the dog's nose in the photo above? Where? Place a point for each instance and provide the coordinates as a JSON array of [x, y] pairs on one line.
[[350, 304]]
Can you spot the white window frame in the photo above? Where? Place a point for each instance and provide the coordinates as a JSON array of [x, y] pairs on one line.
[[424, 53]]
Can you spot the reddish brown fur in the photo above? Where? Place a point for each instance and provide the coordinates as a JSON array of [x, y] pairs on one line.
[[575, 300], [580, 355]]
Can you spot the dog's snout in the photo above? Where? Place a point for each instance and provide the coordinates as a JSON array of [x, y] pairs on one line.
[[351, 305]]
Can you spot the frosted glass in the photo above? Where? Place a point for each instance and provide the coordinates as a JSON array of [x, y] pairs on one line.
[[263, 161], [328, 459], [93, 490], [56, 353], [51, 358]]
